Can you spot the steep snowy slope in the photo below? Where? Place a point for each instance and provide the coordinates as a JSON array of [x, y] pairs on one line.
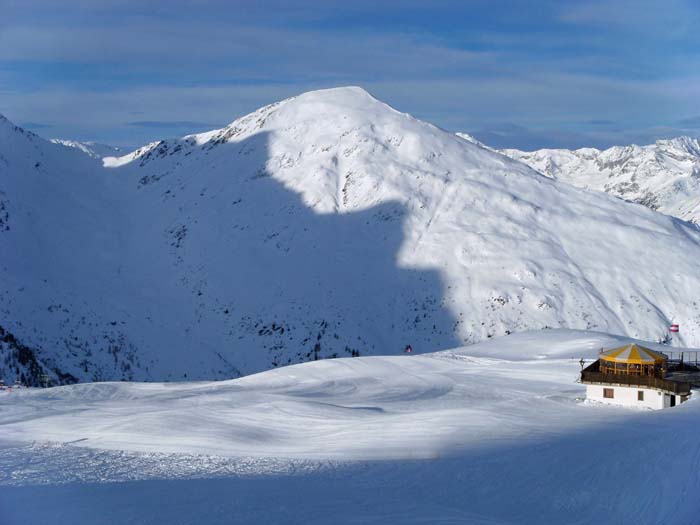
[[325, 225], [52, 242], [507, 441], [664, 176]]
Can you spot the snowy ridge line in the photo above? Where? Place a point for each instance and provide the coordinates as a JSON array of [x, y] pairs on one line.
[[664, 176], [92, 149]]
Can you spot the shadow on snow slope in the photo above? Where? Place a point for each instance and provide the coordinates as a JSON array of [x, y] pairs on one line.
[[629, 468], [223, 273]]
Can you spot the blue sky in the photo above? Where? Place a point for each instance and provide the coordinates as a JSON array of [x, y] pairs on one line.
[[525, 74]]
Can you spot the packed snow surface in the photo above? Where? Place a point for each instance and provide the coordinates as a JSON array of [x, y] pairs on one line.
[[492, 433], [357, 408], [664, 176], [325, 225]]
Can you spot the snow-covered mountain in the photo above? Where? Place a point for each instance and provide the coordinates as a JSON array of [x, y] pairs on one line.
[[325, 225], [664, 176], [93, 149]]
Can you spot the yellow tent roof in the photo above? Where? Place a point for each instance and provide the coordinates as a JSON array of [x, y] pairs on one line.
[[633, 354]]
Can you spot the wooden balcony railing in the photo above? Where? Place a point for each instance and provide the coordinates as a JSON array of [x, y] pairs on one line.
[[675, 387]]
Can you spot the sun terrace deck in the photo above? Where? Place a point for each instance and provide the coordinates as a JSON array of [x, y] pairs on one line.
[[671, 383]]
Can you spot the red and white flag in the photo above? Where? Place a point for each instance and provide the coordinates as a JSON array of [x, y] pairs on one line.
[[674, 328]]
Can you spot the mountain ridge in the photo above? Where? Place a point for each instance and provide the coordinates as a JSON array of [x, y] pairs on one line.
[[664, 176], [324, 225]]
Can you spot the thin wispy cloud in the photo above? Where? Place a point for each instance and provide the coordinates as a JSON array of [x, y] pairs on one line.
[[35, 125], [690, 122], [169, 124], [86, 68]]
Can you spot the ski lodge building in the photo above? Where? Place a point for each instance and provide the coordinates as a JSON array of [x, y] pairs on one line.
[[634, 376]]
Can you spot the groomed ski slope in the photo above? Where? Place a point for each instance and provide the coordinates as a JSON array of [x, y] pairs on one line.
[[492, 433]]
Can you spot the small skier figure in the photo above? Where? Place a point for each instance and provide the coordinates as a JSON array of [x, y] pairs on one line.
[[408, 349], [582, 362]]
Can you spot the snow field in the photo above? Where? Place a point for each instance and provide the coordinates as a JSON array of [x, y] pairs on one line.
[[451, 437]]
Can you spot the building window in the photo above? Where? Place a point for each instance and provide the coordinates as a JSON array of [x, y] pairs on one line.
[[609, 393], [640, 395]]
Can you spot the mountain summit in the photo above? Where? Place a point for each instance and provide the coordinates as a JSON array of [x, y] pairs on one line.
[[325, 225]]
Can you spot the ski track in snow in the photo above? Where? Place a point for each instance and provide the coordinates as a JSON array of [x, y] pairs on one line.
[[60, 463]]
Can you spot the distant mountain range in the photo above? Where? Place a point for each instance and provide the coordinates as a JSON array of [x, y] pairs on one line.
[[325, 225], [664, 176], [93, 149]]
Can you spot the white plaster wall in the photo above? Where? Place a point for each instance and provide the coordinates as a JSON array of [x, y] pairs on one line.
[[667, 400], [627, 396]]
